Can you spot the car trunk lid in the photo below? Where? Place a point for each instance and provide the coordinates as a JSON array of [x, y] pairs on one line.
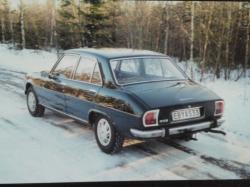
[[170, 93]]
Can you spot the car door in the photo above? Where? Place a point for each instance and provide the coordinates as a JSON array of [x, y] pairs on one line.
[[53, 94], [83, 89]]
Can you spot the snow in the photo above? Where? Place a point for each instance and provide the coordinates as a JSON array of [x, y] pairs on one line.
[[26, 60], [58, 149]]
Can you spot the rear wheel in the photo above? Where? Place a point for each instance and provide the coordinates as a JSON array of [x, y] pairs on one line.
[[34, 108], [108, 138]]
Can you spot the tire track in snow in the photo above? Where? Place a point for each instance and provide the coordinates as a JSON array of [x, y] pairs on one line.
[[170, 159], [240, 169], [10, 123], [12, 71], [12, 81]]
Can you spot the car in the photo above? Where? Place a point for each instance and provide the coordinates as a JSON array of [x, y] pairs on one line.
[[124, 93]]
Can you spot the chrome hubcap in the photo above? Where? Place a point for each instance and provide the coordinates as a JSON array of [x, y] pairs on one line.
[[104, 132], [32, 101]]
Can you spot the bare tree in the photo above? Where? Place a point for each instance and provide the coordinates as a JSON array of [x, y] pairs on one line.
[[219, 48], [229, 16], [3, 28], [2, 22], [203, 62], [238, 25], [166, 27], [81, 23], [22, 24], [192, 39], [247, 44], [52, 22], [192, 33], [11, 27], [130, 35]]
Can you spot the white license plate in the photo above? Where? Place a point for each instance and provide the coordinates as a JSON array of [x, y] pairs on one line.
[[184, 114]]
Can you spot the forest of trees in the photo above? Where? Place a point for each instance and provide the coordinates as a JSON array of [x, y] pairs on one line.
[[215, 35]]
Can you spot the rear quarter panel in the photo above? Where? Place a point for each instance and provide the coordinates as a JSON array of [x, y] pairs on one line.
[[124, 110]]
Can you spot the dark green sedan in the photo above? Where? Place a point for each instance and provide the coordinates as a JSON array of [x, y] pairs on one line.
[[124, 93]]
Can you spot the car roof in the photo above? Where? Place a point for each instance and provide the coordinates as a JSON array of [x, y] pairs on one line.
[[112, 53]]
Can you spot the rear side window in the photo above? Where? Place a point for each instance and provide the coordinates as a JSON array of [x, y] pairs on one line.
[[96, 78], [88, 71], [66, 66]]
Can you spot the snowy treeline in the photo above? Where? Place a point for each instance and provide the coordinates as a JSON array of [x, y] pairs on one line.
[[213, 36]]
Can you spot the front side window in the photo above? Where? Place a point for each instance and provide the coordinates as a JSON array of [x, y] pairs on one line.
[[66, 66], [129, 71], [88, 71]]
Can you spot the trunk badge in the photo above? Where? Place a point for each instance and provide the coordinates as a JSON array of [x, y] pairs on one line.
[[164, 121]]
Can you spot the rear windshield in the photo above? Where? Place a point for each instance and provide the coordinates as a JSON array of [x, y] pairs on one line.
[[134, 70]]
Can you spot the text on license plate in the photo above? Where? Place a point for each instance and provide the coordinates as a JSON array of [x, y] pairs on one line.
[[183, 114]]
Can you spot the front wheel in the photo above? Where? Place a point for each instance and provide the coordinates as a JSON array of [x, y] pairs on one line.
[[34, 108], [108, 138]]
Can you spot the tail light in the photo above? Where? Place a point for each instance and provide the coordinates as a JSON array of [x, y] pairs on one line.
[[150, 118], [219, 108]]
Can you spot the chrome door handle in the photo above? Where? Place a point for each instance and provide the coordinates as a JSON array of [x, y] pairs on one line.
[[92, 91], [63, 84]]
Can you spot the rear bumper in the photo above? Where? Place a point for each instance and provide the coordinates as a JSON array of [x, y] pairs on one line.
[[220, 121], [163, 132]]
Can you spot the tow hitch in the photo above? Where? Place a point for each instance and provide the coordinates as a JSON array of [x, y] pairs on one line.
[[217, 132], [193, 138], [189, 136]]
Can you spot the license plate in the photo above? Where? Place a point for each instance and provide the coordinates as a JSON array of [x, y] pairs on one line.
[[184, 114]]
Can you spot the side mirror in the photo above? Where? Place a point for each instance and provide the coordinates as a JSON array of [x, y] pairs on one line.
[[44, 73]]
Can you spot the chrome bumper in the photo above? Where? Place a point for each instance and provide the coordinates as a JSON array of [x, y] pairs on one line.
[[220, 121], [148, 134], [173, 131]]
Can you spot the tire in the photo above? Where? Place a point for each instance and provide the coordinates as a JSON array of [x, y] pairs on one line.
[[114, 140], [35, 109]]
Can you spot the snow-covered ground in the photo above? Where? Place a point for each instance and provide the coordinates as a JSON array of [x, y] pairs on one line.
[[58, 149], [26, 60]]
